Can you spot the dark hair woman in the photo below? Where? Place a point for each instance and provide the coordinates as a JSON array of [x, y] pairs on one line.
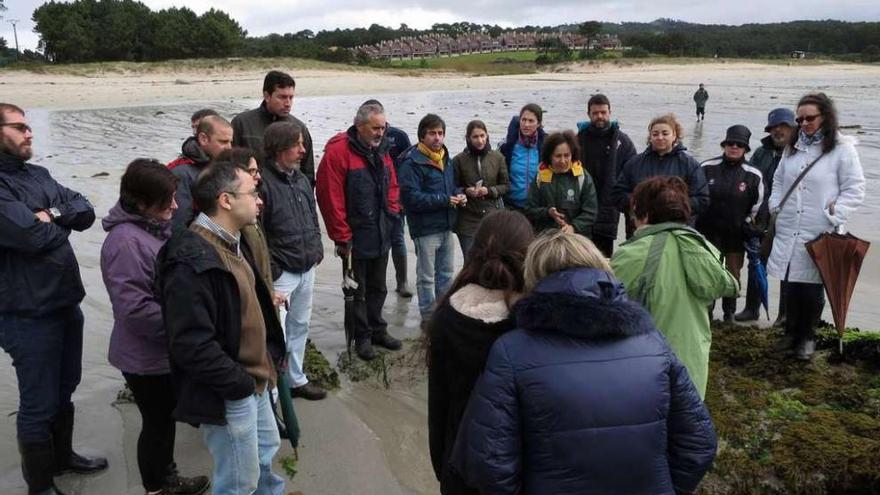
[[481, 173], [673, 271], [521, 150], [563, 195], [830, 192], [475, 311], [137, 227], [584, 396], [665, 155]]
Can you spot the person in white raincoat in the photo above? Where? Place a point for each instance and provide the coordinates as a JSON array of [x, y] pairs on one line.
[[826, 198]]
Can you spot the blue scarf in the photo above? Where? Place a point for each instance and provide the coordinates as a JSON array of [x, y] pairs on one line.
[[808, 140]]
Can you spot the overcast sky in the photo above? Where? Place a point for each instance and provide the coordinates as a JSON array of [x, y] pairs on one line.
[[283, 16]]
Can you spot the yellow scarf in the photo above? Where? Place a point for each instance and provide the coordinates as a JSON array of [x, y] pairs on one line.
[[545, 172], [438, 158]]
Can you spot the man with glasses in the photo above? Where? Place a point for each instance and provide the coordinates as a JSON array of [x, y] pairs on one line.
[[41, 324], [224, 339], [736, 191], [780, 128], [290, 218], [213, 136]]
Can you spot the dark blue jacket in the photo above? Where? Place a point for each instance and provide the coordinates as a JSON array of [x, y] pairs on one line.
[[398, 142], [425, 192], [520, 181], [39, 273], [585, 397]]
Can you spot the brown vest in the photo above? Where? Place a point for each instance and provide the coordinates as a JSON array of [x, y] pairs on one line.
[[253, 353]]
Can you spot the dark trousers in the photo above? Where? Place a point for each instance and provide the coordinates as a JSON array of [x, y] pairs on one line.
[[701, 112], [46, 352], [370, 296], [466, 242], [605, 244], [734, 263], [398, 250], [804, 304], [155, 399]]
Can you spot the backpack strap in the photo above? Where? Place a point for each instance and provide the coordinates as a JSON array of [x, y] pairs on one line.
[[644, 284]]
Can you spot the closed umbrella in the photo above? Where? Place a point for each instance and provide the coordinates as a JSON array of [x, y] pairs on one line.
[[349, 289], [838, 257], [757, 271], [288, 413]]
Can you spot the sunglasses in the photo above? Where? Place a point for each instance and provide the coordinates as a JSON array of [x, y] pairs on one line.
[[734, 145], [18, 126], [807, 118]]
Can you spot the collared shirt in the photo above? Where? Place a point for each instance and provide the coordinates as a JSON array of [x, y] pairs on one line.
[[232, 239]]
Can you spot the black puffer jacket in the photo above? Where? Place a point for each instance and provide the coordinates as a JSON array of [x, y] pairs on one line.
[[39, 273], [290, 219]]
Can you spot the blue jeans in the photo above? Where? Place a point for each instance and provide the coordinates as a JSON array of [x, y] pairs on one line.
[[434, 253], [46, 352], [243, 448], [298, 288]]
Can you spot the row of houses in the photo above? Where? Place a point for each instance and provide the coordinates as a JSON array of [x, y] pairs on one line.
[[438, 45]]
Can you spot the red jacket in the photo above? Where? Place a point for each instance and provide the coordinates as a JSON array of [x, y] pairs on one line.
[[359, 201]]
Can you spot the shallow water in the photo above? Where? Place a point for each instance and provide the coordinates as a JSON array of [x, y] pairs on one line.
[[75, 145]]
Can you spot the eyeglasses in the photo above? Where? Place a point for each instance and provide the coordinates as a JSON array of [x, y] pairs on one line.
[[807, 118], [254, 172], [254, 194], [18, 126], [734, 145]]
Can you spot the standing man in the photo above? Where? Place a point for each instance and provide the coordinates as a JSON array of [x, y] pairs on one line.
[[213, 135], [430, 196], [250, 126], [604, 151], [290, 218], [359, 198], [197, 117], [41, 325], [701, 96], [398, 142], [225, 341], [780, 126]]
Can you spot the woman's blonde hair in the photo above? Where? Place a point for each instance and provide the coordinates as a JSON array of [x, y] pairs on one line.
[[555, 250], [672, 121]]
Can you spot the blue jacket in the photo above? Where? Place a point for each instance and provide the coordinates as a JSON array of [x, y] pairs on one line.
[[39, 273], [522, 163], [425, 192], [585, 397], [398, 142]]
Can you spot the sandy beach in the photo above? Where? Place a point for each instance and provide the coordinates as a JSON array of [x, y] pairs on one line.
[[364, 438]]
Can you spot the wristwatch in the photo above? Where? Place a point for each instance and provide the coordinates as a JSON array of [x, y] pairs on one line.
[[54, 213]]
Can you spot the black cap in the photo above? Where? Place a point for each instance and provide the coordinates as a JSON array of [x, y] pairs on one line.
[[738, 134]]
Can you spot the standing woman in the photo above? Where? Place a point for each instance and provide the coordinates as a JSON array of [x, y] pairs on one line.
[[665, 155], [564, 195], [522, 149], [137, 227], [674, 272], [467, 321], [481, 173], [830, 192]]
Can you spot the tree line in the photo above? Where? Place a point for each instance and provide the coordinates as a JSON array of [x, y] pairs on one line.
[[111, 30]]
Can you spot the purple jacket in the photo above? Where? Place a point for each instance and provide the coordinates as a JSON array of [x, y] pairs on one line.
[[128, 258]]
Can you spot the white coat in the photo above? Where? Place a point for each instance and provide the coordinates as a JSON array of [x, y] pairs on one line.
[[836, 178]]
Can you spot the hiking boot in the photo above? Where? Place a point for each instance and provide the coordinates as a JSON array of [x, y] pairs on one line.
[[805, 350], [746, 314], [384, 339], [780, 321], [403, 290], [364, 350], [309, 391], [176, 484], [784, 344]]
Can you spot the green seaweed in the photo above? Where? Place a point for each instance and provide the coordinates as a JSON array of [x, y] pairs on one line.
[[318, 369]]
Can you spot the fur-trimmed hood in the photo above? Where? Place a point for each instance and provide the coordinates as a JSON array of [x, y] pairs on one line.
[[584, 303]]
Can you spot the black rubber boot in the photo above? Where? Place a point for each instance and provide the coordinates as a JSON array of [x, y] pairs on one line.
[[728, 307], [402, 289], [364, 350], [66, 460], [780, 315], [38, 467], [753, 305]]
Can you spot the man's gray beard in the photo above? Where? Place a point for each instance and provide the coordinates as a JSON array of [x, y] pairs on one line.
[[779, 143]]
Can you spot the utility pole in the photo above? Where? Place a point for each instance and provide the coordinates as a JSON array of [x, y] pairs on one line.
[[15, 34]]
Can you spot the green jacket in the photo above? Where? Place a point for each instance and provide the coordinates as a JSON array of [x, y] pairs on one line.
[[689, 276], [766, 159], [492, 170], [569, 194]]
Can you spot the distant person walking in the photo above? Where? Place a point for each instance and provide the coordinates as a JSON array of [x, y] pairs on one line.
[[701, 96], [249, 126], [522, 152], [481, 173], [832, 189]]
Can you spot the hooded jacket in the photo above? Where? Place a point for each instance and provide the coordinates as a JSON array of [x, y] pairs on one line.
[[522, 162], [425, 190], [138, 343], [584, 397], [611, 161], [766, 160], [39, 273], [186, 168]]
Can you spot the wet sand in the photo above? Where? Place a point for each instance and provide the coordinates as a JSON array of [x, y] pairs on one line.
[[364, 438]]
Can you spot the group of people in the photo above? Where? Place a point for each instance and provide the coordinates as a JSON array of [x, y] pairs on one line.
[[209, 262]]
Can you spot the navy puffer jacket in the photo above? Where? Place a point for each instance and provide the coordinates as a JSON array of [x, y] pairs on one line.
[[585, 397]]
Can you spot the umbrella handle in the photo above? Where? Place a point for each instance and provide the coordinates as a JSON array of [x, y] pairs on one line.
[[348, 262]]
